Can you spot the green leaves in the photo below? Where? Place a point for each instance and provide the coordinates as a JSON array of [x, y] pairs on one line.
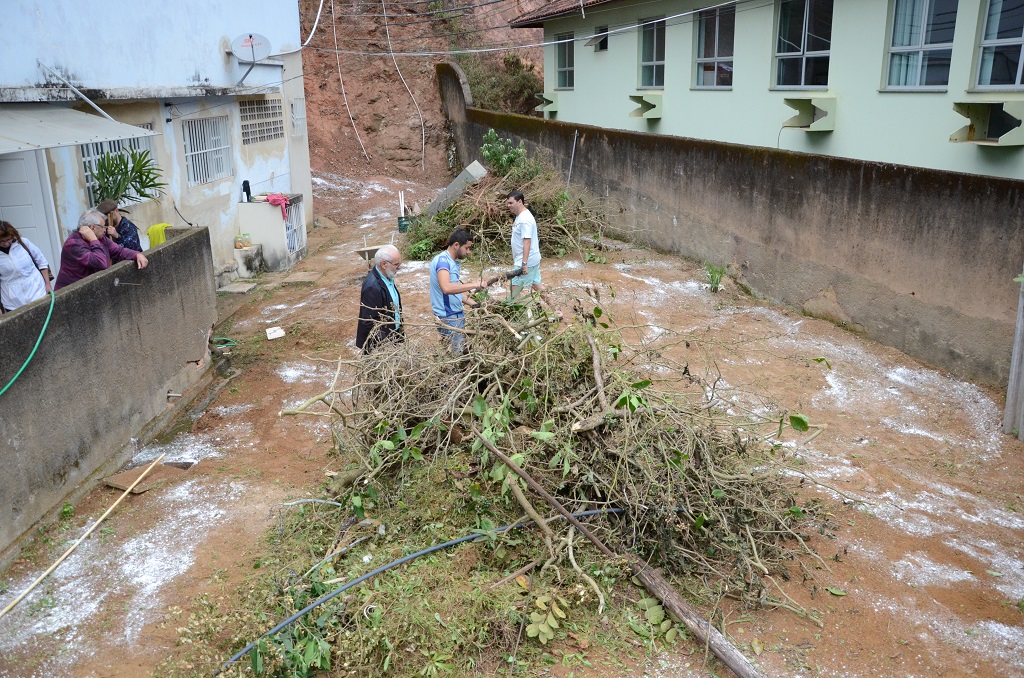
[[631, 398], [823, 360], [658, 623], [544, 622], [502, 155], [799, 422], [132, 176], [715, 274]]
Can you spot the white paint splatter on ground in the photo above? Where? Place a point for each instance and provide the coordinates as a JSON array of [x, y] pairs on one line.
[[185, 447], [280, 311], [1006, 563], [943, 509], [230, 410], [375, 216], [324, 183], [111, 573], [902, 390], [657, 291], [917, 569], [306, 373]]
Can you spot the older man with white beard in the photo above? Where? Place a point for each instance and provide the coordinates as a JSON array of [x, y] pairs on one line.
[[380, 304]]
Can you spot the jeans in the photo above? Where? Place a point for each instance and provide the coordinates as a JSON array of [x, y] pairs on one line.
[[457, 340]]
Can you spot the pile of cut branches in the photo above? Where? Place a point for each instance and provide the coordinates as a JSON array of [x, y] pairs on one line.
[[564, 219], [568, 403]]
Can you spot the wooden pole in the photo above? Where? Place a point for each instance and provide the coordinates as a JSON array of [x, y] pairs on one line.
[[656, 584], [67, 553]]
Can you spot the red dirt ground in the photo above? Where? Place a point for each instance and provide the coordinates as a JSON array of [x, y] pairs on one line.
[[927, 535], [926, 491]]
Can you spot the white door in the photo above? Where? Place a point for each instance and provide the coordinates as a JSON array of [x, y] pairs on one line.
[[24, 203]]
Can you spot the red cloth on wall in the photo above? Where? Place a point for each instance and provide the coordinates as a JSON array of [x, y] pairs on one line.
[[279, 199]]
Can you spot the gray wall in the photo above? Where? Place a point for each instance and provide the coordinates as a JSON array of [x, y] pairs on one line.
[[110, 354], [918, 259]]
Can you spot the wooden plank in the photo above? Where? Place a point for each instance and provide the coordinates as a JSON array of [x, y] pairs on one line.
[[156, 478]]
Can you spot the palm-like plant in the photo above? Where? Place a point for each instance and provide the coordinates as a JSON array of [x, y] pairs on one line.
[[127, 177]]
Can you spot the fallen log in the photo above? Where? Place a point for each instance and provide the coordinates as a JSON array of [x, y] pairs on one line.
[[652, 580]]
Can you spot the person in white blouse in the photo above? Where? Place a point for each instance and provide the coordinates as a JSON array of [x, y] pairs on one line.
[[24, 271]]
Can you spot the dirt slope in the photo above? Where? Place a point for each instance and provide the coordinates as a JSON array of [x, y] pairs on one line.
[[386, 121]]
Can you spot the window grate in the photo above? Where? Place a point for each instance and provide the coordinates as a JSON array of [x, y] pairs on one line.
[[91, 153], [294, 226], [298, 110], [262, 120], [207, 149]]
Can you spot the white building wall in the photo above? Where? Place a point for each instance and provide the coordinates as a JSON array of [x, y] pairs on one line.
[[162, 63], [909, 128], [139, 44]]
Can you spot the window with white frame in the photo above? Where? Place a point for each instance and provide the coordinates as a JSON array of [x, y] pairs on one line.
[[207, 149], [716, 35], [91, 153], [805, 38], [565, 60], [1000, 62], [652, 53], [262, 120], [922, 43]]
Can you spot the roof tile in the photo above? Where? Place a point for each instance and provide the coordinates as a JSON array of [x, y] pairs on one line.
[[557, 8]]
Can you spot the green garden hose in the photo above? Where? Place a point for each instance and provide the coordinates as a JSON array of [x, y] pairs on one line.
[[38, 341]]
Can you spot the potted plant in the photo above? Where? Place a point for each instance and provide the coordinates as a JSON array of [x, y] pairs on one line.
[[133, 176]]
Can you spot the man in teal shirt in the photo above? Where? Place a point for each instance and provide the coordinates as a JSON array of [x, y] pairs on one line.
[[447, 288]]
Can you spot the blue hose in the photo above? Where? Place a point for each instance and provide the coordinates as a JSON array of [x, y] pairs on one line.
[[38, 341], [384, 568]]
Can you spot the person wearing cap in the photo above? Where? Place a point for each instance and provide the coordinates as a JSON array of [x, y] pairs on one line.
[[89, 250], [127, 232]]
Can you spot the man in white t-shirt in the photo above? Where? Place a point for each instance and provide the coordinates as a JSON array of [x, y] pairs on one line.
[[526, 250]]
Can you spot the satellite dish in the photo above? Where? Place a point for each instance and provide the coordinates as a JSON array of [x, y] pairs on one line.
[[250, 48]]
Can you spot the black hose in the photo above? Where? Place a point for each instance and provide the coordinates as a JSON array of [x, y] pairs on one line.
[[384, 568]]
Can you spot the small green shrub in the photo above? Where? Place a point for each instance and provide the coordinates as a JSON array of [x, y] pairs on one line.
[[507, 160], [715, 274], [502, 155], [508, 85]]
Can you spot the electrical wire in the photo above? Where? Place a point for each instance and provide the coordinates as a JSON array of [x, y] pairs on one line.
[[341, 80], [687, 17], [436, 11], [34, 348], [312, 32], [384, 568], [423, 127]]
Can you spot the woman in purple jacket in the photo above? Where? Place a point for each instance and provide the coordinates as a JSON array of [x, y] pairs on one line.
[[89, 249]]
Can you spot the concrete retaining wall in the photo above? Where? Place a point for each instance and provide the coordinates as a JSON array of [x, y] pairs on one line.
[[117, 342], [918, 259]]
